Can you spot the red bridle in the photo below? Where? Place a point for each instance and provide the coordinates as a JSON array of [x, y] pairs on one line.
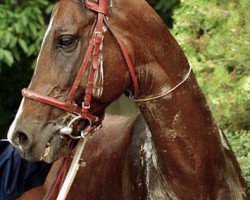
[[93, 55]]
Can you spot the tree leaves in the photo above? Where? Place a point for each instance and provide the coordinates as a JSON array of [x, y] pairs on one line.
[[22, 23], [7, 57]]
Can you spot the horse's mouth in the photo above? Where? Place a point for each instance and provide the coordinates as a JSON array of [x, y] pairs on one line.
[[46, 151], [58, 145], [55, 148]]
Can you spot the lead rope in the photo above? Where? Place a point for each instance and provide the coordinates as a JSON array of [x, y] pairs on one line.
[[74, 167]]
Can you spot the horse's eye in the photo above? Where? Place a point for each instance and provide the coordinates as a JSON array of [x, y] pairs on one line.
[[66, 41]]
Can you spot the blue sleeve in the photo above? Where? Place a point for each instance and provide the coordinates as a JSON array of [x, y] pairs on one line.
[[18, 175]]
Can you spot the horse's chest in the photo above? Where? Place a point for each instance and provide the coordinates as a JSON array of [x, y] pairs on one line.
[[145, 174]]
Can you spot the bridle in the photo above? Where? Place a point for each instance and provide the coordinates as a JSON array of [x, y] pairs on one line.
[[93, 60]]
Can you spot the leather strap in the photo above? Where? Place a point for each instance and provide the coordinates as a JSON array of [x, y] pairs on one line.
[[102, 7], [128, 62]]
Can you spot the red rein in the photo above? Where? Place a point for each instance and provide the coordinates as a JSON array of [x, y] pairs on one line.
[[93, 52]]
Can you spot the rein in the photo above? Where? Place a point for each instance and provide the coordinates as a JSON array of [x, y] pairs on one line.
[[72, 172], [66, 174], [94, 57]]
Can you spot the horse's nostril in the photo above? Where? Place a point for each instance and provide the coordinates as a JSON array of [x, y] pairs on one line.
[[22, 139]]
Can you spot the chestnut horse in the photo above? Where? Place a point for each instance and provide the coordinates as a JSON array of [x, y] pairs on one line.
[[125, 44]]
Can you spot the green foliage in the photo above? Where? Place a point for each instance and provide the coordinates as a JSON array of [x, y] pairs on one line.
[[240, 142], [165, 9], [21, 29], [215, 35]]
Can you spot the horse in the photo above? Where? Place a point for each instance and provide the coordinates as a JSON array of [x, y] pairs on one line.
[[127, 48]]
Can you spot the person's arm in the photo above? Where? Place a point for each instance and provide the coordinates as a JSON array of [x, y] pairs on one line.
[[18, 175]]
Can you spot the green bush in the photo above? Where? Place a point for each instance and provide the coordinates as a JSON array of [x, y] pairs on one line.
[[22, 27], [240, 142]]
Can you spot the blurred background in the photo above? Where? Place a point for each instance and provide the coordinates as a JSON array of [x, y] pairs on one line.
[[215, 35]]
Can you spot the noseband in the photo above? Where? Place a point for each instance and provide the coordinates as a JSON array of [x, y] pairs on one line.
[[92, 56]]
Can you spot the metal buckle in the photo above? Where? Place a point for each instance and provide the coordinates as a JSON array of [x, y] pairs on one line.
[[85, 107], [96, 33], [85, 133], [98, 37], [68, 130], [111, 4]]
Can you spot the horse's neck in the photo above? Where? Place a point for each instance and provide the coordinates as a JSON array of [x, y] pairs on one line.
[[186, 138], [181, 123], [187, 141]]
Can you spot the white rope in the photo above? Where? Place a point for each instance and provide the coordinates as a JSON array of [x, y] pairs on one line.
[[74, 167], [167, 92]]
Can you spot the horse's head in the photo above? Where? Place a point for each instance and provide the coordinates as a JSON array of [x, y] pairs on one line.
[[72, 25], [87, 60]]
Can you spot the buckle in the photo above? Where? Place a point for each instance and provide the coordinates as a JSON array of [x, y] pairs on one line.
[[85, 107], [98, 37], [97, 33], [90, 130]]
